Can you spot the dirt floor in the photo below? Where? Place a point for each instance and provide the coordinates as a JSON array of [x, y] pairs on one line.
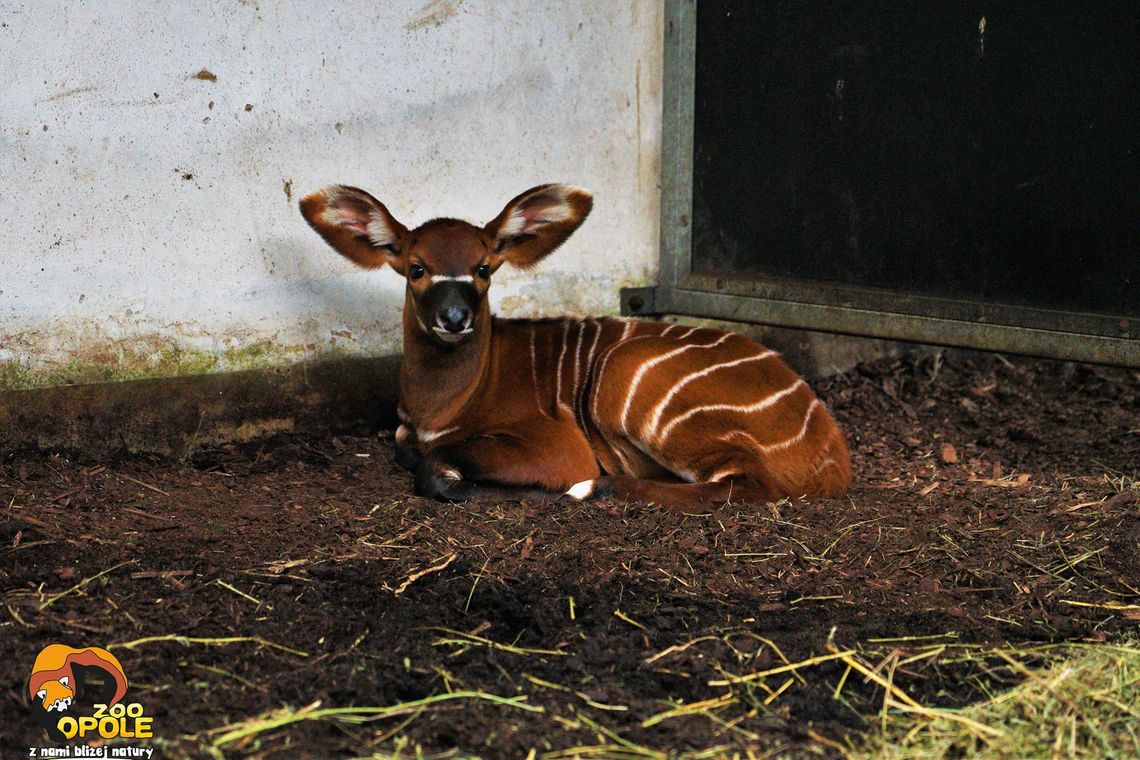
[[996, 502]]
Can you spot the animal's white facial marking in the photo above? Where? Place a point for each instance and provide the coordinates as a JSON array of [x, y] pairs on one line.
[[452, 337]]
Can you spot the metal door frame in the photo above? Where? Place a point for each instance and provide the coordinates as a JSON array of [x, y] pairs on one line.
[[871, 312]]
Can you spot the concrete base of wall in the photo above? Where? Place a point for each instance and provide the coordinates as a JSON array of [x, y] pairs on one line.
[[175, 416]]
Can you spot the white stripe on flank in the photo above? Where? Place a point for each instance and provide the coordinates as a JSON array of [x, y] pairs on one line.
[[598, 380], [720, 475], [803, 429], [577, 365], [650, 427], [689, 332], [534, 369], [580, 395], [594, 345], [427, 436], [604, 359], [825, 459], [650, 364], [589, 369], [667, 329], [745, 408], [561, 358], [821, 465], [768, 448], [626, 469]]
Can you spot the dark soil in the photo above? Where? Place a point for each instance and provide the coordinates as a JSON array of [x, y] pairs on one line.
[[996, 502]]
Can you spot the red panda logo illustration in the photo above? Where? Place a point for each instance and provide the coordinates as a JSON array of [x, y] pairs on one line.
[[52, 684]]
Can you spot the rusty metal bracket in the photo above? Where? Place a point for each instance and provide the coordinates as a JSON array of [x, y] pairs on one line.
[[642, 302]]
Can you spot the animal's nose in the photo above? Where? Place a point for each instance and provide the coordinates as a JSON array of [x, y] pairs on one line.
[[454, 318]]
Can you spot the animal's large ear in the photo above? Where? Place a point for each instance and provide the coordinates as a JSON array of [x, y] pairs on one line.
[[356, 225], [538, 221]]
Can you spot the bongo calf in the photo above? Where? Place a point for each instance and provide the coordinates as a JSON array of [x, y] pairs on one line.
[[662, 413]]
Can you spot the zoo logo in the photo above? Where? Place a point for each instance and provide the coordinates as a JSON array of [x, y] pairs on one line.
[[57, 680]]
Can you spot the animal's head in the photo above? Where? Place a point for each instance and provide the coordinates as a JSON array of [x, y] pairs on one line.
[[447, 263], [57, 694]]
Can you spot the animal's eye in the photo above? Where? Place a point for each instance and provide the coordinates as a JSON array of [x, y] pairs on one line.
[[416, 271], [484, 271]]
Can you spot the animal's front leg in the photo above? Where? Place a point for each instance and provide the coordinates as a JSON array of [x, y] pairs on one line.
[[436, 479], [408, 453], [534, 459]]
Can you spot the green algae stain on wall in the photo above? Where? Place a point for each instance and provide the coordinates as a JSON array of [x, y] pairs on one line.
[[150, 357], [85, 353]]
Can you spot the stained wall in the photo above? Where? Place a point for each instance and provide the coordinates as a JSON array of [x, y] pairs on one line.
[[152, 155]]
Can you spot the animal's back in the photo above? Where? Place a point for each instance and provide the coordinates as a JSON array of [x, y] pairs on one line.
[[710, 405]]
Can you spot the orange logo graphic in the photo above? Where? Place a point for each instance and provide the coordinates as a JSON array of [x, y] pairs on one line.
[[78, 693], [52, 682]]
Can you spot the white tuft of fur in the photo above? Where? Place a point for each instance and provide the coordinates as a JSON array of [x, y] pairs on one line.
[[375, 227], [379, 233], [332, 215], [519, 223], [427, 436], [581, 491], [728, 472]]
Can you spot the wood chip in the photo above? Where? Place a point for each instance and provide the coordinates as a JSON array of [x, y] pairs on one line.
[[981, 391], [948, 453], [1020, 482], [1122, 499], [147, 486], [426, 571], [141, 513]]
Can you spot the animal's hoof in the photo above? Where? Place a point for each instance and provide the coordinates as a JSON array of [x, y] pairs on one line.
[[442, 483], [409, 457]]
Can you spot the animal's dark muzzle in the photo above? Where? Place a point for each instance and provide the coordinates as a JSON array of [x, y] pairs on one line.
[[451, 307]]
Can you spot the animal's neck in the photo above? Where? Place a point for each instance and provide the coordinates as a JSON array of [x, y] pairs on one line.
[[437, 381]]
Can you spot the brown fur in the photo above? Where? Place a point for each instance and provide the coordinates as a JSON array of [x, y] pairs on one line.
[[636, 407]]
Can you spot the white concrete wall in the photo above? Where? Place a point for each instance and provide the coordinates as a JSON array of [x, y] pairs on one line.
[[150, 220]]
